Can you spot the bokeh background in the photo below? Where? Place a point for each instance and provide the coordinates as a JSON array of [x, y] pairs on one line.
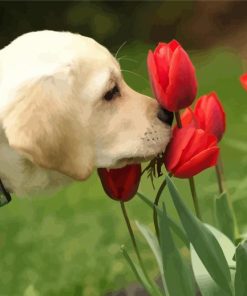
[[69, 244]]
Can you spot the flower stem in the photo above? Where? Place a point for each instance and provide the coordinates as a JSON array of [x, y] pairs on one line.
[[178, 119], [194, 197], [133, 239], [219, 177], [156, 203], [222, 188]]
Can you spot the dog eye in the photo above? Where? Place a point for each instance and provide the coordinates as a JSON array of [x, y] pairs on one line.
[[111, 94]]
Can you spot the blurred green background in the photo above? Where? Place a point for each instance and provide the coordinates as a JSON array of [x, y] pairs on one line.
[[69, 244]]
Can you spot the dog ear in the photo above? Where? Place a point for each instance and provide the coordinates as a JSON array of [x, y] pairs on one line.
[[44, 124]]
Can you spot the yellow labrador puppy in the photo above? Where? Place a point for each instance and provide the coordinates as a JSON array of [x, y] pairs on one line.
[[65, 110]]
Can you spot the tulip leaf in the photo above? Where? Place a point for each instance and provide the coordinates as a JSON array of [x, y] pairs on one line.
[[178, 230], [241, 269], [154, 245], [207, 285], [225, 243], [224, 215], [139, 274], [145, 199], [178, 278], [203, 241], [241, 237]]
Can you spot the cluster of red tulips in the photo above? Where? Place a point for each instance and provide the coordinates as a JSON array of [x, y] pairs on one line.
[[193, 146]]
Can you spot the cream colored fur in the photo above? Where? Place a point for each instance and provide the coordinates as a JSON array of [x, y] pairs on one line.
[[56, 126]]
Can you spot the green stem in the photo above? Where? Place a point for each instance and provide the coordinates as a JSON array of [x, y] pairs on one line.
[[178, 119], [156, 203], [221, 185], [221, 167], [194, 197], [219, 177], [132, 236]]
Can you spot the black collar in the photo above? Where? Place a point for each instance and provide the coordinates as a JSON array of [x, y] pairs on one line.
[[5, 196]]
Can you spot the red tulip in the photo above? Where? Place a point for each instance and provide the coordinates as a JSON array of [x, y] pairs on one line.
[[188, 118], [121, 184], [190, 151], [208, 115], [172, 76], [243, 80]]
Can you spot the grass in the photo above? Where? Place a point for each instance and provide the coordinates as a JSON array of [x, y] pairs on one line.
[[70, 244]]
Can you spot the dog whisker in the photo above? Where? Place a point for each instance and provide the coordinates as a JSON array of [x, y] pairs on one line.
[[127, 59], [136, 74], [121, 46]]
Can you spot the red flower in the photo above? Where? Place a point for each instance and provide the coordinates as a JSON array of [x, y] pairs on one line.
[[188, 119], [172, 76], [190, 151], [208, 115], [243, 80], [121, 184]]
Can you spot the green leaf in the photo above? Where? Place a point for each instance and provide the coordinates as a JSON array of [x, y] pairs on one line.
[[178, 278], [225, 243], [178, 231], [241, 270], [204, 242], [154, 245], [207, 285], [241, 237], [139, 274], [224, 215], [174, 226], [145, 199]]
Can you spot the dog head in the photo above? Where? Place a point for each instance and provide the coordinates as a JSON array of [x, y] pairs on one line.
[[66, 107]]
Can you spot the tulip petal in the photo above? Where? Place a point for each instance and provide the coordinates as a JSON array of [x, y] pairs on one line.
[[159, 46], [175, 148], [243, 80], [198, 163], [199, 111], [162, 57], [154, 78], [173, 45], [188, 119], [210, 115], [121, 184], [182, 87], [200, 141]]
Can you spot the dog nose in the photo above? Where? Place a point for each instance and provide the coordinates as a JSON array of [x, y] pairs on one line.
[[165, 116]]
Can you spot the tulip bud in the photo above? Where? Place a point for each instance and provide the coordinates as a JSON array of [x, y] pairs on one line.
[[188, 119], [190, 151], [243, 80], [208, 115], [121, 184], [172, 76]]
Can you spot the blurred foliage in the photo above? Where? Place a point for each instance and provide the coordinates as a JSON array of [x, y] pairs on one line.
[[70, 244], [197, 24]]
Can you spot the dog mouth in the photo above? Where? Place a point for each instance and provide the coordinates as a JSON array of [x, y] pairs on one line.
[[133, 160], [137, 159]]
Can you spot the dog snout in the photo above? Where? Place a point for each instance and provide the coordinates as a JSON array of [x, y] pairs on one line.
[[165, 116]]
